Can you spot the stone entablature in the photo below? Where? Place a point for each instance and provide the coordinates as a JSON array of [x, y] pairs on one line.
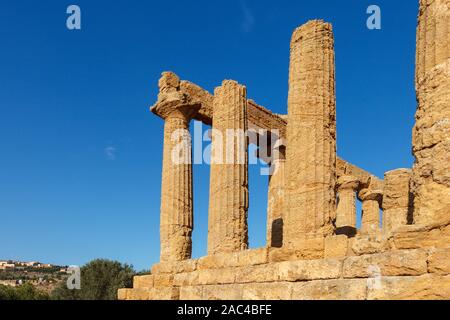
[[260, 117]]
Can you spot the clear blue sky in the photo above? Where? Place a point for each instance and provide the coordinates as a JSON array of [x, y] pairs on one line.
[[80, 161]]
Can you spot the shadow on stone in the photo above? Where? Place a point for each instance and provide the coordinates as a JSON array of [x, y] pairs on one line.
[[348, 231], [277, 233]]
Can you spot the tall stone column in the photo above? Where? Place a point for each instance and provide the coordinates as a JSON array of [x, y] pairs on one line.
[[276, 197], [397, 200], [176, 224], [311, 134], [431, 134], [228, 200], [347, 187], [371, 203]]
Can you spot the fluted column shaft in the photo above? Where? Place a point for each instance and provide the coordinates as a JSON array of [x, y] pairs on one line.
[[276, 199], [431, 134], [176, 191], [228, 206], [371, 203], [176, 213], [397, 202], [311, 134], [346, 208]]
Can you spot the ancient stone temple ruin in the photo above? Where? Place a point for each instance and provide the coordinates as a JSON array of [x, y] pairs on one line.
[[314, 248]]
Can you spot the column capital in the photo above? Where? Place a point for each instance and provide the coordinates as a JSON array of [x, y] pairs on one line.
[[175, 107], [368, 194], [348, 182], [171, 100]]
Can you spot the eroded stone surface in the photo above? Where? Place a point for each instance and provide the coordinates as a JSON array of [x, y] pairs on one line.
[[426, 287], [176, 198], [371, 202], [311, 134], [314, 250], [347, 187], [227, 225], [431, 134], [330, 290], [394, 263], [439, 261], [336, 247]]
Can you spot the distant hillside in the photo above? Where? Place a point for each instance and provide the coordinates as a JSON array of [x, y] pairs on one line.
[[43, 276]]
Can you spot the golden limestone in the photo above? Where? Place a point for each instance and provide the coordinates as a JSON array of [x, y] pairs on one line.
[[227, 227], [176, 191], [346, 207], [316, 248], [431, 134], [311, 134]]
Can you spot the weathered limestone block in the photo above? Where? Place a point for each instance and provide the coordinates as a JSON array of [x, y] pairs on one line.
[[345, 168], [149, 294], [311, 134], [227, 225], [252, 257], [216, 276], [439, 261], [122, 294], [426, 287], [414, 238], [369, 244], [349, 289], [190, 293], [267, 291], [143, 282], [163, 280], [186, 279], [226, 292], [347, 187], [431, 134], [255, 274], [310, 270], [138, 294], [397, 199], [234, 259], [304, 250], [175, 267], [170, 293], [394, 263], [276, 202], [336, 246], [217, 261], [371, 203], [153, 281], [176, 191]]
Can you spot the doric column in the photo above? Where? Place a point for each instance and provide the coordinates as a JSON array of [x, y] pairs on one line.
[[176, 192], [396, 199], [431, 134], [311, 134], [347, 187], [371, 203], [276, 199], [228, 200]]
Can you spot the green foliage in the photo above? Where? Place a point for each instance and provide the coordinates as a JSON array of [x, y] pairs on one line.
[[23, 292], [7, 293], [143, 273], [100, 280]]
